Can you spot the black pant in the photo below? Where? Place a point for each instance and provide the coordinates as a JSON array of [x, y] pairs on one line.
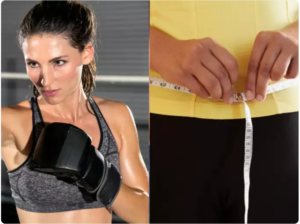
[[196, 170]]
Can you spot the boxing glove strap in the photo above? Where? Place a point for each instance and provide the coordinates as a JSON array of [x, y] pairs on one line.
[[111, 187]]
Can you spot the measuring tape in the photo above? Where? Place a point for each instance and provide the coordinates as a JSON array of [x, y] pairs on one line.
[[237, 97], [240, 97]]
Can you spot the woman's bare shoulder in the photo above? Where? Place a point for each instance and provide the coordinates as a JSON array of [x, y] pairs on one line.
[[15, 113], [113, 107], [115, 113]]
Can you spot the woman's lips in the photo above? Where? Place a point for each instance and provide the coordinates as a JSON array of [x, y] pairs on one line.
[[50, 92]]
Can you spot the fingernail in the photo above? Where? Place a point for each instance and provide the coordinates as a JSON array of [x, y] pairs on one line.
[[259, 98], [230, 100], [249, 95]]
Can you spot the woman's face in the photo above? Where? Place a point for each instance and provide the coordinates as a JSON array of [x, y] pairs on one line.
[[53, 65]]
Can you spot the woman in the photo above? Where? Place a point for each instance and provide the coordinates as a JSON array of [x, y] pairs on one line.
[[57, 41]]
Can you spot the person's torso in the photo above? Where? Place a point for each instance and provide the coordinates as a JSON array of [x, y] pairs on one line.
[[233, 24], [35, 192]]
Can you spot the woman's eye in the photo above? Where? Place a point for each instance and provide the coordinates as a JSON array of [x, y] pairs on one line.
[[60, 62], [33, 64]]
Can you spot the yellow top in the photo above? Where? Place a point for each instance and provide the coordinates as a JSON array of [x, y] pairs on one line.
[[234, 24]]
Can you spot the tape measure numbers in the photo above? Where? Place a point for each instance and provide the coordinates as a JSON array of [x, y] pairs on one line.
[[240, 97]]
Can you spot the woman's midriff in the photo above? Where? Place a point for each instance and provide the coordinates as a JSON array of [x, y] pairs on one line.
[[95, 215]]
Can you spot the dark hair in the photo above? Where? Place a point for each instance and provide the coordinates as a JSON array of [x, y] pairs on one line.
[[74, 20]]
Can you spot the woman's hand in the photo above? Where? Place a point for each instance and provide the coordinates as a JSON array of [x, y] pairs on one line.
[[274, 56], [203, 65]]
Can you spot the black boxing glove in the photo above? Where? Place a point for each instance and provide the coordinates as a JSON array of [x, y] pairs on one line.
[[66, 151]]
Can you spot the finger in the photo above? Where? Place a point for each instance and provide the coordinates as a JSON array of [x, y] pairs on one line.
[[265, 68], [208, 80], [227, 60], [193, 84], [280, 67], [217, 69], [293, 69], [256, 56]]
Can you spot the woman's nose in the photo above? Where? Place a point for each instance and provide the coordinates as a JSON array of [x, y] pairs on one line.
[[47, 76]]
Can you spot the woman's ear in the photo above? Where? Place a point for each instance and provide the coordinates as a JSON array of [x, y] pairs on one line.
[[88, 54]]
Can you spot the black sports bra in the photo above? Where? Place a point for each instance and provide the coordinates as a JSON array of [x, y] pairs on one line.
[[40, 192]]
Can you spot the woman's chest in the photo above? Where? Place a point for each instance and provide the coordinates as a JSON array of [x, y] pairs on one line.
[[46, 190], [49, 192], [26, 133], [89, 124]]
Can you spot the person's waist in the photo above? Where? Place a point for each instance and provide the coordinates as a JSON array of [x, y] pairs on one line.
[[171, 102]]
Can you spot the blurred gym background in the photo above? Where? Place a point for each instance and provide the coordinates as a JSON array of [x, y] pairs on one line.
[[122, 64]]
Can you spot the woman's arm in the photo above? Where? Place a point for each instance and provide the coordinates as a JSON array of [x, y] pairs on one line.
[[132, 202], [8, 141], [161, 49]]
